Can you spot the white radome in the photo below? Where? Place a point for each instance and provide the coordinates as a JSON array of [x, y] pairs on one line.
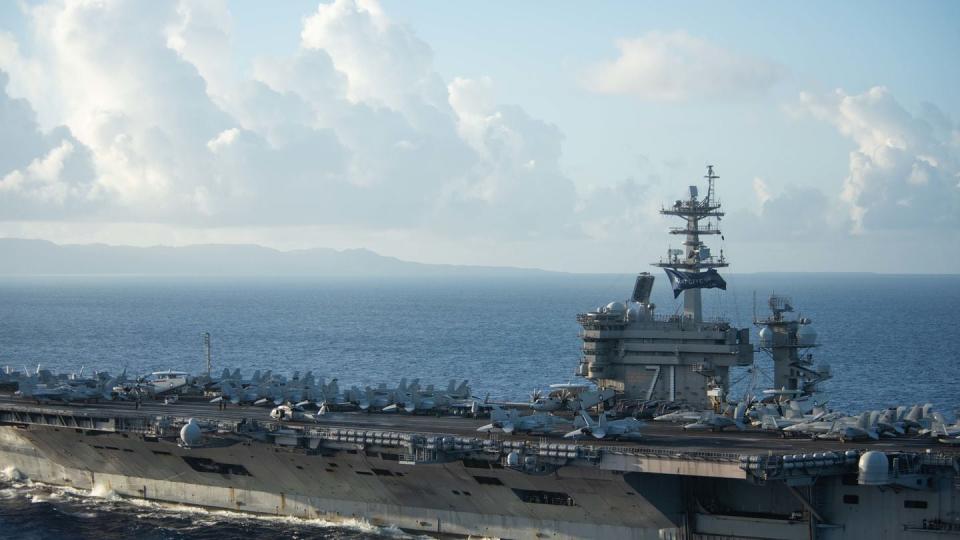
[[807, 336], [766, 337], [190, 433], [616, 307], [873, 469]]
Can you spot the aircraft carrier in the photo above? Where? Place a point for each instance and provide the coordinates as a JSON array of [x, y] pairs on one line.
[[454, 475]]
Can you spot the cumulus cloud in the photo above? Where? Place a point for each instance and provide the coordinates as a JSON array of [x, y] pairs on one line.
[[905, 170], [675, 66], [760, 190], [355, 129], [385, 63], [516, 181], [42, 174]]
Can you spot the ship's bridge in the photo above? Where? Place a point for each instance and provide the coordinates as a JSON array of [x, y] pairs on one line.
[[649, 356]]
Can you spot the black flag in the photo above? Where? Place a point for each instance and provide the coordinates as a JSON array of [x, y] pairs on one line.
[[681, 281]]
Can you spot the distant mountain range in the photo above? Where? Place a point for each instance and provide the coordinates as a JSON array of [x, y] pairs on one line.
[[40, 257]]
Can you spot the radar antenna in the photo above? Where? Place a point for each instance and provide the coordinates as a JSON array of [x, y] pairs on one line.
[[695, 255], [710, 178]]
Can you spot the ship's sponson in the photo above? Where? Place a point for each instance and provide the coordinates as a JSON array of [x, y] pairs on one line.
[[426, 474]]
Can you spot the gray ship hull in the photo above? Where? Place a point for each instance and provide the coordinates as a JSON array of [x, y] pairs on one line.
[[441, 498], [460, 486]]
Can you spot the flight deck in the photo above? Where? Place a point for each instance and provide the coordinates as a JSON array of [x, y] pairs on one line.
[[656, 435]]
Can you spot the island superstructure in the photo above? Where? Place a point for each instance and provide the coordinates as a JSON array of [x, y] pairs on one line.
[[788, 342], [678, 357]]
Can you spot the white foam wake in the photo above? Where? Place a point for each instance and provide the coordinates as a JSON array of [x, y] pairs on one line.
[[11, 474], [102, 496]]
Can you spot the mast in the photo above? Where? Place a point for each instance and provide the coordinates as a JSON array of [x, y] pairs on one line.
[[206, 344], [695, 255]]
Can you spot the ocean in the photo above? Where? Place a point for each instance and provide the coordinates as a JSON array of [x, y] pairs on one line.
[[890, 340]]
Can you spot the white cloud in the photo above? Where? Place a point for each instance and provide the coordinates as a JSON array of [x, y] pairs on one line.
[[761, 191], [384, 63], [42, 174], [675, 66], [904, 171], [355, 129]]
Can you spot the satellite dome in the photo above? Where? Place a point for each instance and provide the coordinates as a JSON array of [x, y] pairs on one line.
[[806, 336], [766, 337], [190, 433], [616, 307], [633, 311], [873, 469]]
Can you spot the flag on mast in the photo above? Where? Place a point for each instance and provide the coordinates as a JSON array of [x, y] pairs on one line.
[[681, 281]]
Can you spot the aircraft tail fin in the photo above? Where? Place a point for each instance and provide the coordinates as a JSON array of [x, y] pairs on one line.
[[916, 412], [497, 414]]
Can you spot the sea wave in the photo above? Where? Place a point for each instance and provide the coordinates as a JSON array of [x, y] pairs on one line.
[[80, 504]]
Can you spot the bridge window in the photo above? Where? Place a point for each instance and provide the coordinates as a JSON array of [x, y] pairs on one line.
[[544, 497], [851, 499], [914, 504]]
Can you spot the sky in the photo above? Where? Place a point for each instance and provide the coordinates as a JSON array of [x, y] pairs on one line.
[[533, 134]]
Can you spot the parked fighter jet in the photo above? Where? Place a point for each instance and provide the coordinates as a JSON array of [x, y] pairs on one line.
[[792, 399], [769, 417], [372, 398], [411, 398], [624, 428], [848, 428], [510, 420], [237, 395], [402, 397], [718, 422], [42, 393], [919, 417], [682, 416], [940, 429], [458, 392], [569, 396], [322, 395], [76, 389]]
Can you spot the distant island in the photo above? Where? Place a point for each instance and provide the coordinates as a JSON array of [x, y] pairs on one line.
[[22, 257]]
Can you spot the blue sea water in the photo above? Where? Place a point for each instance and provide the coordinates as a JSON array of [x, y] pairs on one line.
[[889, 339]]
